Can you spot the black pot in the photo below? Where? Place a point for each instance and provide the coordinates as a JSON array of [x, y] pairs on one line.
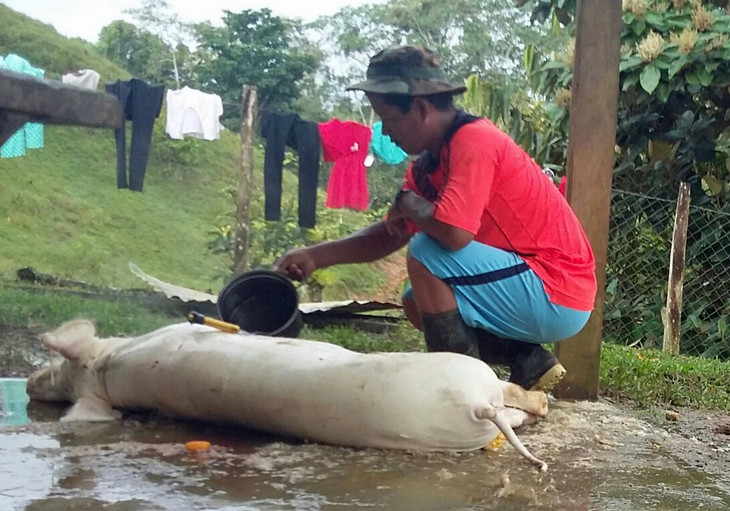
[[261, 302]]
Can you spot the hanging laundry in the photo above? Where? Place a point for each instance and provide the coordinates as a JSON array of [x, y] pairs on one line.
[[346, 143], [141, 103], [288, 129], [86, 78], [31, 135], [384, 148], [194, 113]]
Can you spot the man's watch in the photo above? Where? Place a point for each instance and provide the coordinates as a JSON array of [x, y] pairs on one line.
[[398, 197]]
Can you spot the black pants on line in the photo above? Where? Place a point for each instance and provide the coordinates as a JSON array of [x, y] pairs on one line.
[[141, 103], [288, 130]]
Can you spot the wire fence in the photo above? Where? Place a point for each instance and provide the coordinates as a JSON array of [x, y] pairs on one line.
[[640, 239]]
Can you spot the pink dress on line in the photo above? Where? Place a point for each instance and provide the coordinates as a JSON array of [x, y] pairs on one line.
[[346, 143]]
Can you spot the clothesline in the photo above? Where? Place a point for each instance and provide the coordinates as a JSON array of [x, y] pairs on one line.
[[362, 114]]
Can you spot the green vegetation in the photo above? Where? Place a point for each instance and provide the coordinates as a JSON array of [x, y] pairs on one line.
[[41, 310], [63, 214], [43, 47], [651, 377], [403, 338], [254, 47], [672, 128], [671, 113], [136, 50]]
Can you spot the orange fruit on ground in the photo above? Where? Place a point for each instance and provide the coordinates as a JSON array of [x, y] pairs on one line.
[[197, 445]]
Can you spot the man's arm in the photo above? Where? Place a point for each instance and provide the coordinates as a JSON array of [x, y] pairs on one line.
[[366, 245], [420, 211]]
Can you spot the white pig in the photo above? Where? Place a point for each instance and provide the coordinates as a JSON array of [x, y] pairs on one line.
[[293, 387]]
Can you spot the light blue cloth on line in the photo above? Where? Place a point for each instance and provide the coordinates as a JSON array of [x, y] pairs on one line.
[[384, 148], [31, 135]]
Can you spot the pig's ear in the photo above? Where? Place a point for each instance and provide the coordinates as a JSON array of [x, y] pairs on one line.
[[75, 340]]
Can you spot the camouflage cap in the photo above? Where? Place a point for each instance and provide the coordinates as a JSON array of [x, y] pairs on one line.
[[407, 70]]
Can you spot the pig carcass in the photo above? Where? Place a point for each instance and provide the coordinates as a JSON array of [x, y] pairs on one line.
[[293, 387]]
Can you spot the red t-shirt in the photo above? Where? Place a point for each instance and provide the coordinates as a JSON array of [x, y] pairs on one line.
[[498, 193]]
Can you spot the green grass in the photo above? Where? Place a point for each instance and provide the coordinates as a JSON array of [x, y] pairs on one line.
[[348, 279], [403, 338], [40, 312], [61, 212], [43, 47], [651, 377]]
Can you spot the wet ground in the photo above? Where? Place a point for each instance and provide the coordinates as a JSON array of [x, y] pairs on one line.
[[601, 456]]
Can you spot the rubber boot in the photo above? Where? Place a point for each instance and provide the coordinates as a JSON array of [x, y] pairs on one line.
[[446, 331], [532, 367], [492, 349]]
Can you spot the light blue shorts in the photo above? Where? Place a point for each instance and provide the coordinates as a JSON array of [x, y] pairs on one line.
[[496, 291]]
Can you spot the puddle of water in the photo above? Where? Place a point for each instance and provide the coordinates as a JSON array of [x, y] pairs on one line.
[[140, 463], [14, 402]]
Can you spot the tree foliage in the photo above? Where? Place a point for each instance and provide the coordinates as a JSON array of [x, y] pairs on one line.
[[561, 11], [158, 18], [482, 37], [136, 50], [673, 126], [255, 48], [538, 127], [674, 77]]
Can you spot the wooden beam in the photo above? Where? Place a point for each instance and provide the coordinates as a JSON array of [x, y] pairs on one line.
[[243, 213], [590, 171], [53, 102], [9, 124], [676, 272]]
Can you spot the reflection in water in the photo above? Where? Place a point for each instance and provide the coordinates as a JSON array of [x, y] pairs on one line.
[[23, 475], [14, 402]]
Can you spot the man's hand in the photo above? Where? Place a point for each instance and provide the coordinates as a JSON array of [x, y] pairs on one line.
[[298, 264], [395, 223], [411, 206], [395, 220]]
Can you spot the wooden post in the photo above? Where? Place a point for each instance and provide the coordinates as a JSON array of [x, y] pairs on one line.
[[243, 214], [676, 272], [590, 170]]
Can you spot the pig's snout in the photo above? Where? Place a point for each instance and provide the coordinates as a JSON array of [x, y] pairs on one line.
[[47, 384]]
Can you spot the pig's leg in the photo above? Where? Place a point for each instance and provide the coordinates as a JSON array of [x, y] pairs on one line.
[[517, 417], [91, 409], [533, 401], [75, 340], [500, 419]]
